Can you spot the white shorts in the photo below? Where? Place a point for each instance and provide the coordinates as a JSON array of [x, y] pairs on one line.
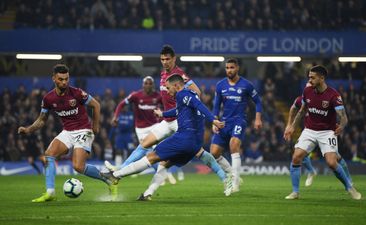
[[325, 139], [143, 132], [164, 129], [77, 139]]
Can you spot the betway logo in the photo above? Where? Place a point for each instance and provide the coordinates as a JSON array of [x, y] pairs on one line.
[[68, 113], [318, 111], [147, 107]]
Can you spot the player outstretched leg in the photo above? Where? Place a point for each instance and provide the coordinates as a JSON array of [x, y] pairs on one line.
[[50, 194], [310, 169], [79, 158], [208, 159]]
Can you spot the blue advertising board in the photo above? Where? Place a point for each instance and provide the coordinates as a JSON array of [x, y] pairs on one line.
[[184, 42]]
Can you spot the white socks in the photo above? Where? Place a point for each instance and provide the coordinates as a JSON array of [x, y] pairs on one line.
[[159, 177], [225, 165], [236, 164], [133, 168]]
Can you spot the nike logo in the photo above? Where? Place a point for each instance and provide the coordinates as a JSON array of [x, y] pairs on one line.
[[6, 172]]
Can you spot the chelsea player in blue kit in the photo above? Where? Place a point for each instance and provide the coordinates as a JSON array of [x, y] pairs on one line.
[[233, 93], [183, 145]]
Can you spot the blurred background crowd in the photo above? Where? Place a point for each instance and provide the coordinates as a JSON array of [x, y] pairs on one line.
[[191, 14]]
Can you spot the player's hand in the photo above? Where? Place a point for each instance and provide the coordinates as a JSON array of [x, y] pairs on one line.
[[23, 130], [114, 121], [288, 133], [215, 130], [95, 129], [338, 131], [218, 124], [158, 113], [258, 124]]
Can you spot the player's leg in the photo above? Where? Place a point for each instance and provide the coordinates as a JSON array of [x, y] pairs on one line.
[[295, 171], [208, 159], [158, 178], [305, 144], [310, 169], [216, 150], [55, 149], [235, 144], [344, 165], [135, 167], [157, 133], [328, 145]]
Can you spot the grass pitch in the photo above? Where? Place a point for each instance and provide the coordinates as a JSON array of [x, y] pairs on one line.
[[199, 199]]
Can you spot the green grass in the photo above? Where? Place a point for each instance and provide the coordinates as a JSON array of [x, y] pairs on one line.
[[198, 199]]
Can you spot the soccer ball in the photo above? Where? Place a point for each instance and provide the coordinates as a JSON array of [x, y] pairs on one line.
[[73, 188]]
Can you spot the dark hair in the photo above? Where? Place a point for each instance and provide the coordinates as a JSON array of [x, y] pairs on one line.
[[232, 60], [167, 50], [60, 68], [321, 70], [175, 78]]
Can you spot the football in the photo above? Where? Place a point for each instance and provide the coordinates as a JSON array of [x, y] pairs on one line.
[[73, 188]]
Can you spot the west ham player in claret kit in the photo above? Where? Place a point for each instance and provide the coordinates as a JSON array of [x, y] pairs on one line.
[[78, 132], [323, 104]]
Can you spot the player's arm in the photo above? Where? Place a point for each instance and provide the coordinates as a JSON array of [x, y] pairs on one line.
[[166, 114], [197, 104], [191, 85], [37, 124], [291, 115], [343, 120], [258, 108], [291, 128], [96, 114], [216, 107], [119, 108]]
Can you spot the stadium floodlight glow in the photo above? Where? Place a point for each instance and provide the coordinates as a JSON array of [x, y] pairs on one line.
[[119, 58], [352, 59], [202, 58], [278, 58], [39, 56]]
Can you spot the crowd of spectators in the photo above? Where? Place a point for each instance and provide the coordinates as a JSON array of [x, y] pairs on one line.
[[192, 14], [22, 108]]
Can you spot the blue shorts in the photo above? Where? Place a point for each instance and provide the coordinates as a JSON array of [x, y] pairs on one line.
[[179, 148], [234, 128]]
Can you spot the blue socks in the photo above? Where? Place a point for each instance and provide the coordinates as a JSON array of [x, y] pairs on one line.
[[210, 161], [295, 171], [93, 172], [307, 164], [342, 176], [50, 172], [343, 163], [137, 154]]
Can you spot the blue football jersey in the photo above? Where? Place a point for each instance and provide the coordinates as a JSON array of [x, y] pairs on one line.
[[234, 99]]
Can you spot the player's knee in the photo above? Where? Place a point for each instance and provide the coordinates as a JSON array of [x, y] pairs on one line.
[[297, 159], [78, 167], [332, 164]]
